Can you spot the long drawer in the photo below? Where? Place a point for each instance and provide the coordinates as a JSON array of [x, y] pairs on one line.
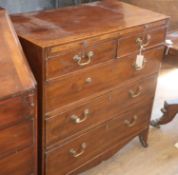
[[98, 79], [17, 137], [98, 110], [19, 163], [89, 145]]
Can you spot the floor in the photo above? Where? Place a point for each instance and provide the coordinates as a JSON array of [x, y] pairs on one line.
[[161, 157]]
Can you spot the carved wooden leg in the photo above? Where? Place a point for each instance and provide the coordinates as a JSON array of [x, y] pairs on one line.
[[143, 137], [169, 112]]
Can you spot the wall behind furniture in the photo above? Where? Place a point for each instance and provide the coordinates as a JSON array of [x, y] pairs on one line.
[[17, 6], [168, 7]]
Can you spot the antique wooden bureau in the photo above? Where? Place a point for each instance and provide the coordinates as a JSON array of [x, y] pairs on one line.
[[93, 97], [18, 144]]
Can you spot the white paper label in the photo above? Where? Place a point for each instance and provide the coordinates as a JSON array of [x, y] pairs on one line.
[[140, 61], [176, 145], [169, 42]]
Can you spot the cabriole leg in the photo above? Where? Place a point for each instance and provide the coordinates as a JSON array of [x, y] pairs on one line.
[[169, 112]]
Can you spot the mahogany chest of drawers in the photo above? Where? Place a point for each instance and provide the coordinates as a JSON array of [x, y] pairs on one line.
[[18, 145], [93, 98]]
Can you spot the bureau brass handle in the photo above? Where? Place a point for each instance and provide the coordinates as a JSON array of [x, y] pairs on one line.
[[77, 120], [132, 122], [141, 43], [137, 93], [74, 153], [78, 58]]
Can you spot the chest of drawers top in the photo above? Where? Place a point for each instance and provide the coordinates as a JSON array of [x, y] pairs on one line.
[[15, 75], [59, 26]]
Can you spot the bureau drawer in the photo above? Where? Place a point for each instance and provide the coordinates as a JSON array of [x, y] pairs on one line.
[[76, 58], [19, 163], [75, 153], [130, 123], [98, 110], [17, 137], [98, 79], [14, 110], [129, 44]]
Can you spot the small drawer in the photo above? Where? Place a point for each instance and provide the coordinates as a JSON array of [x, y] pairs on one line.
[[99, 79], [17, 137], [79, 57], [15, 109], [19, 163], [98, 110], [128, 45], [130, 123], [74, 154]]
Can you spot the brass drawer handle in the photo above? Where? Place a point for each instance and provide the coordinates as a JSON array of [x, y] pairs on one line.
[[139, 41], [131, 123], [74, 153], [77, 120], [78, 58], [137, 93]]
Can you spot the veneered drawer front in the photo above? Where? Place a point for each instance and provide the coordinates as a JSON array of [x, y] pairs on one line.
[[72, 60], [75, 153], [88, 146], [14, 110], [130, 123], [129, 44], [94, 81], [17, 137], [19, 163], [98, 110]]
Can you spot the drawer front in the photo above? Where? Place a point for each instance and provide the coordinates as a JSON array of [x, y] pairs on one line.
[[75, 153], [129, 44], [16, 137], [20, 163], [88, 146], [14, 110], [77, 58], [94, 81], [98, 110], [130, 123]]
